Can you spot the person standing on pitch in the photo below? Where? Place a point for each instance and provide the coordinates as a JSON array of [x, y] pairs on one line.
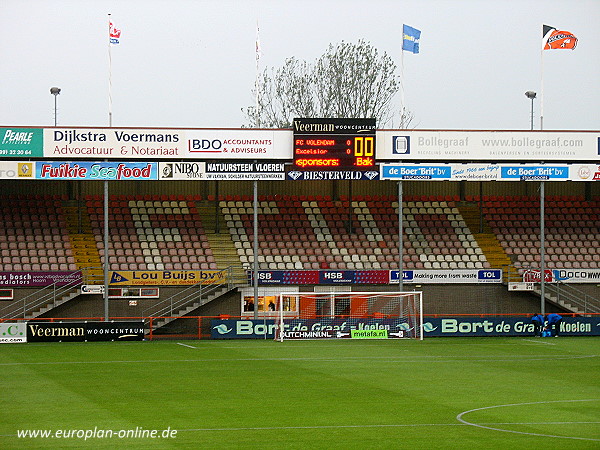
[[554, 323], [538, 324]]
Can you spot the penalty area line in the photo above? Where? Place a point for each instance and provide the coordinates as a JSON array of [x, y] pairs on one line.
[[539, 342], [185, 345]]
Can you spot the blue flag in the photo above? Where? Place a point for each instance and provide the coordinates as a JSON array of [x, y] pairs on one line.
[[410, 39]]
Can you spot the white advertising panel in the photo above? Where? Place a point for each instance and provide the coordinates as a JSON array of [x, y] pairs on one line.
[[449, 145], [17, 170], [13, 333], [152, 144], [222, 170]]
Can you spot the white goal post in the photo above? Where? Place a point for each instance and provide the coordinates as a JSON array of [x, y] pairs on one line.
[[354, 315]]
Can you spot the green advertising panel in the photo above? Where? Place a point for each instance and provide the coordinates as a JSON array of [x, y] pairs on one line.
[[369, 334], [21, 142]]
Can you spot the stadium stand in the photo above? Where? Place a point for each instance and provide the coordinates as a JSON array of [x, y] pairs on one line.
[[33, 234], [158, 232], [152, 233], [572, 230], [297, 233]]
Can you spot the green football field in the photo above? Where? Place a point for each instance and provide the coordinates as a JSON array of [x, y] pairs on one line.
[[463, 393]]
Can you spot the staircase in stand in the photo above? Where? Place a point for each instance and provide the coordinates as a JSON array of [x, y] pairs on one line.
[[83, 243], [485, 237], [59, 300], [219, 238]]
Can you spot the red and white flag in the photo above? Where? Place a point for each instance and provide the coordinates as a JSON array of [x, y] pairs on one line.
[[114, 34]]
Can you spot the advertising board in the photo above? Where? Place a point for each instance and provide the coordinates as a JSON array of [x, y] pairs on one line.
[[449, 326], [324, 328], [13, 332], [504, 326], [84, 331], [455, 145]]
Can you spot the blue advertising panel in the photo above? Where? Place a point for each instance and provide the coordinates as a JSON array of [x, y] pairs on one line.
[[414, 172], [449, 326], [533, 173], [348, 328], [452, 326]]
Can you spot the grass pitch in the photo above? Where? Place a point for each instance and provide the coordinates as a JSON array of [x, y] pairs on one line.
[[439, 393]]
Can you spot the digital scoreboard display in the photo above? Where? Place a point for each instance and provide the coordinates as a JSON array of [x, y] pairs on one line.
[[334, 144]]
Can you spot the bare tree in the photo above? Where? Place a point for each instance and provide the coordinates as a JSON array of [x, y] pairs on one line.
[[348, 80]]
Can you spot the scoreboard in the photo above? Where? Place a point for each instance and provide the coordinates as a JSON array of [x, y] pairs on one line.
[[334, 144]]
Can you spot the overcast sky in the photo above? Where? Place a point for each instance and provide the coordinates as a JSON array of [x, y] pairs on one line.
[[191, 63]]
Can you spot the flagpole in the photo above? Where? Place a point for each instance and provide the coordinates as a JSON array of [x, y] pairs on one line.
[[109, 77], [542, 83], [402, 89], [255, 185], [105, 197]]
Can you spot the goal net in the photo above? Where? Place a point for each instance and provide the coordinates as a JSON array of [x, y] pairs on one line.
[[352, 315]]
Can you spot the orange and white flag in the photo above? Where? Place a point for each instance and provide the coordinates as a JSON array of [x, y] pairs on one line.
[[553, 38]]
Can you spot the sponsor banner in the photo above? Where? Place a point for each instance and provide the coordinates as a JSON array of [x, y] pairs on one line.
[[92, 289], [490, 172], [286, 276], [563, 275], [210, 144], [368, 334], [102, 171], [311, 328], [166, 277], [13, 333], [21, 142], [182, 170], [239, 144], [222, 171], [301, 277], [586, 172], [39, 279], [505, 326], [84, 331], [329, 175], [448, 276], [245, 171], [109, 143], [353, 277], [115, 143], [322, 276], [14, 170], [488, 145], [534, 173], [512, 286]]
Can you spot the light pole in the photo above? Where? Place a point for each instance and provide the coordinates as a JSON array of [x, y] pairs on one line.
[[531, 95], [55, 91]]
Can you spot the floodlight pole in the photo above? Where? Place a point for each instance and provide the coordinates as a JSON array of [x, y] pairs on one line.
[[400, 238], [255, 249], [55, 91], [531, 95], [542, 250]]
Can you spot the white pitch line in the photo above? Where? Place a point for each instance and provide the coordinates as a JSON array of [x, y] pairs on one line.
[[459, 417], [383, 359], [185, 345], [399, 425], [539, 342]]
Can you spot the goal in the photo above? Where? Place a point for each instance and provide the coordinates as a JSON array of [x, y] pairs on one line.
[[351, 315]]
